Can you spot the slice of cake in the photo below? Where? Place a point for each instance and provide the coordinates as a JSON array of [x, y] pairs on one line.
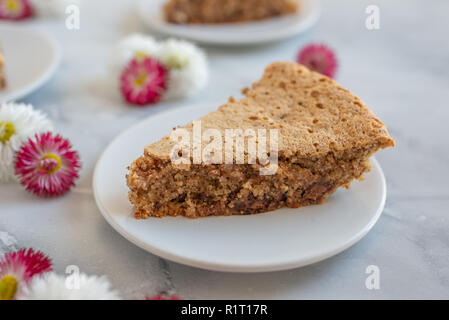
[[316, 136], [2, 72], [223, 11]]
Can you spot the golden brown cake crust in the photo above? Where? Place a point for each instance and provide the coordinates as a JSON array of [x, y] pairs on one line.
[[326, 136], [223, 11], [314, 115]]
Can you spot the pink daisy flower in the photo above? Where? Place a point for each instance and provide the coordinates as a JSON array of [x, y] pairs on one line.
[[319, 58], [15, 9], [143, 81], [47, 165], [18, 268]]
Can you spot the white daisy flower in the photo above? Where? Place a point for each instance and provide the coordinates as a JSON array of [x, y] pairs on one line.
[[52, 8], [51, 286], [134, 46], [18, 122], [188, 68], [187, 64]]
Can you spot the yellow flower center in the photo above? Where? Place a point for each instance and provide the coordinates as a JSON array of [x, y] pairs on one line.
[[13, 5], [141, 79], [7, 130], [50, 163], [8, 287], [177, 61], [140, 55]]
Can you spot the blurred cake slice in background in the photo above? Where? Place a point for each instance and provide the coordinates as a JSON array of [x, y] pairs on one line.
[[225, 11], [2, 72]]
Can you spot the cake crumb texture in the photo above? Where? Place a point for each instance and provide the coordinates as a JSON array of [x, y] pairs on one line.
[[326, 136]]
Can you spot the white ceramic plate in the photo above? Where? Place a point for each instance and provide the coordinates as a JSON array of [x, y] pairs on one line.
[[247, 33], [31, 58], [282, 239]]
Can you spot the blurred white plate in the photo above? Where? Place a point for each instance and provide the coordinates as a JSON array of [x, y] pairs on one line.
[[246, 33], [31, 58], [278, 240]]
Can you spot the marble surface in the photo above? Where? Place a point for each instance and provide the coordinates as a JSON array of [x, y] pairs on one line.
[[400, 70]]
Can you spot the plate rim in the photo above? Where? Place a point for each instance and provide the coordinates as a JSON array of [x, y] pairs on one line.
[[230, 267], [47, 74], [166, 30]]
